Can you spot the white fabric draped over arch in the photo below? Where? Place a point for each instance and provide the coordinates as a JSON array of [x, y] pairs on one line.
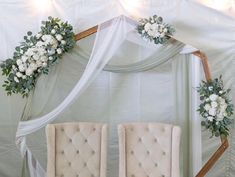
[[110, 36], [161, 94]]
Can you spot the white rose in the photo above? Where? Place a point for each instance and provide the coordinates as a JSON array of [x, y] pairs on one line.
[[53, 31], [220, 117], [214, 104], [58, 37], [21, 68], [29, 72], [212, 111], [221, 100], [213, 97], [18, 62], [63, 42], [13, 66], [220, 92], [210, 118], [33, 66], [59, 51], [147, 26], [150, 33], [40, 44], [24, 77], [50, 58], [223, 108], [35, 56], [24, 58], [16, 79], [207, 107], [18, 74], [154, 27]]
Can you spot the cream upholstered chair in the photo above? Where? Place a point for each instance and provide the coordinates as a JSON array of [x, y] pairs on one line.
[[76, 150], [149, 150]]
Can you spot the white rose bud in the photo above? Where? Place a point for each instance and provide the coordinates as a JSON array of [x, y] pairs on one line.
[[21, 68], [213, 97], [18, 74], [24, 77], [59, 51], [44, 64], [63, 42], [16, 79], [212, 112], [38, 35], [50, 58], [210, 118], [53, 31], [59, 37]]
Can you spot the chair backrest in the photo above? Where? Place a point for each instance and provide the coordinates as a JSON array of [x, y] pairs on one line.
[[76, 150], [149, 150]]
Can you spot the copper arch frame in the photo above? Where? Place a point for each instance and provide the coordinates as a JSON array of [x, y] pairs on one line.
[[224, 141]]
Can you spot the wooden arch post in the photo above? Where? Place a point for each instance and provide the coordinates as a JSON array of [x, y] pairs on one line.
[[224, 141]]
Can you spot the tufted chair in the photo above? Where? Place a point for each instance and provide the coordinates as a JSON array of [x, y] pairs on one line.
[[148, 150], [76, 150]]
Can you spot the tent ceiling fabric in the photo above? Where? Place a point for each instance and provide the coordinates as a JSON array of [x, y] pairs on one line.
[[199, 26]]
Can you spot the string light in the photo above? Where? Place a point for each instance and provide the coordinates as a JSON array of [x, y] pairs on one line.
[[42, 5]]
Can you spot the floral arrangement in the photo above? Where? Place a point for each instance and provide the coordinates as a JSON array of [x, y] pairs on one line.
[[36, 54], [216, 108], [153, 29]]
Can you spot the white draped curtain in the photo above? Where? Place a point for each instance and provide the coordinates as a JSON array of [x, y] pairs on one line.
[[164, 92]]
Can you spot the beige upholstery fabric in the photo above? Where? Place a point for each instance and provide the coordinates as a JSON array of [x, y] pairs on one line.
[[76, 150], [148, 150]]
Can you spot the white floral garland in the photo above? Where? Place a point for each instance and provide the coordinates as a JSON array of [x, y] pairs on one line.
[[215, 108], [153, 29], [36, 55]]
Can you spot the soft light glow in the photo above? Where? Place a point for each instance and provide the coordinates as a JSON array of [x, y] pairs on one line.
[[132, 6], [218, 4], [42, 5]]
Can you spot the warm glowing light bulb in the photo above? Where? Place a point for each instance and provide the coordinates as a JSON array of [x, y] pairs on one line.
[[218, 4], [132, 5], [42, 5]]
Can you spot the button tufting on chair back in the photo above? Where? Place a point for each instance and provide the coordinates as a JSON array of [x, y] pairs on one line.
[[148, 150], [76, 150]]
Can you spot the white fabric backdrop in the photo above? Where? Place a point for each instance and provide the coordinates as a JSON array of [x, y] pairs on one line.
[[209, 31]]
